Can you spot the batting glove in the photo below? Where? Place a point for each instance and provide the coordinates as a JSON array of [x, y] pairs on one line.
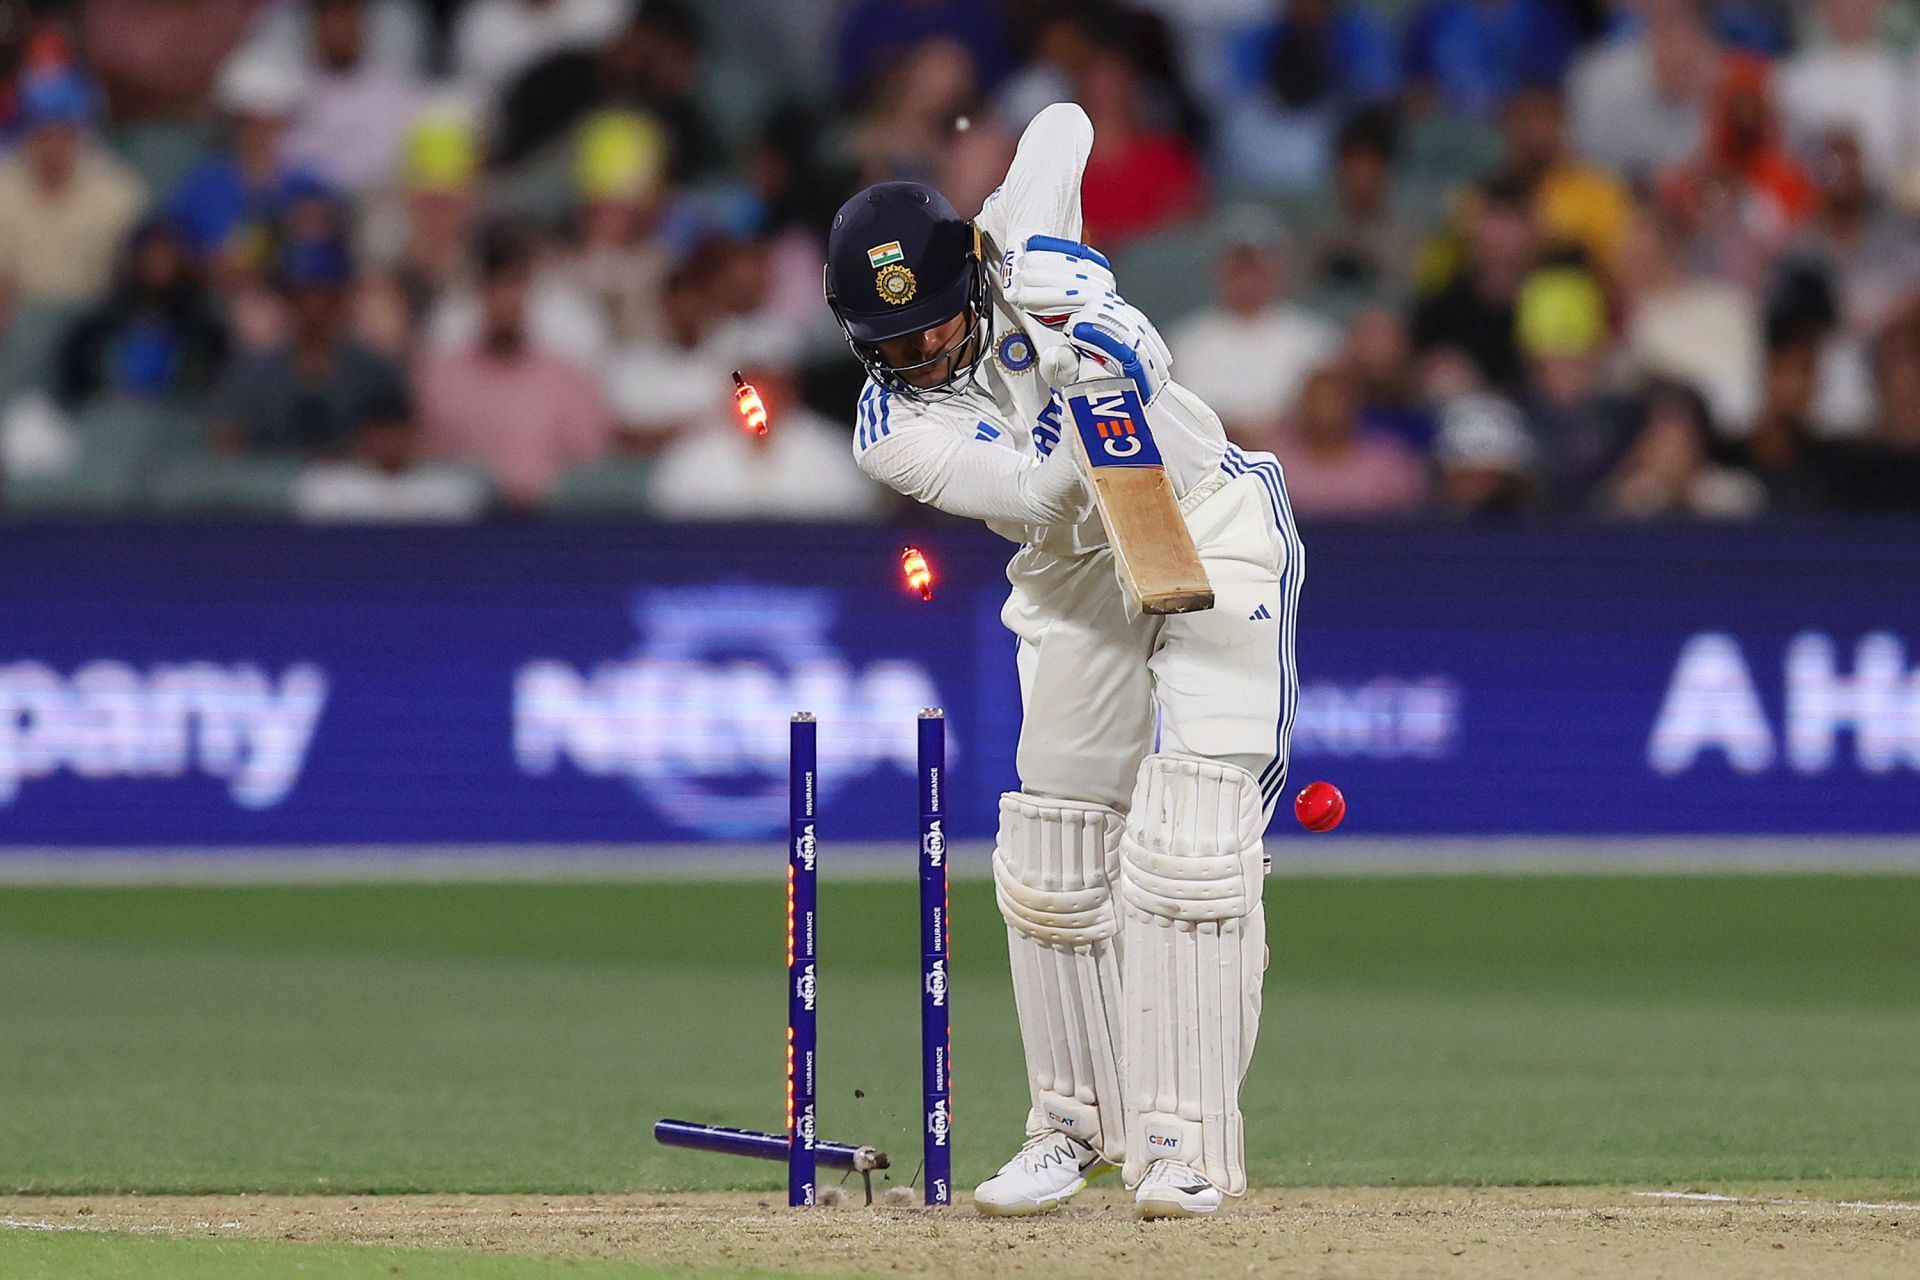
[[1118, 336], [1051, 278]]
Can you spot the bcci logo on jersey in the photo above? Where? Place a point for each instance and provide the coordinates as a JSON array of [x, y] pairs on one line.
[[1113, 425]]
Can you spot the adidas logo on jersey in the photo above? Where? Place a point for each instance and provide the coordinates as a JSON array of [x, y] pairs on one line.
[[1262, 614]]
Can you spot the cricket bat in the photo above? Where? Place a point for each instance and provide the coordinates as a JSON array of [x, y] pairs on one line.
[[1153, 552]]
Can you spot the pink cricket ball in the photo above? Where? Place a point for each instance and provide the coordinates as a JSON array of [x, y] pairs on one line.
[[1320, 806]]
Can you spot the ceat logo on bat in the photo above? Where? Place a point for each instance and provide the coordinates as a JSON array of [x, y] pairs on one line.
[[1113, 426]]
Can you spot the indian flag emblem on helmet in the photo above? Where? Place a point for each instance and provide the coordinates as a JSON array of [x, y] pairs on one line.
[[883, 255]]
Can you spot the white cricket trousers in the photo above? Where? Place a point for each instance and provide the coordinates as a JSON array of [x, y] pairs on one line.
[[1100, 690]]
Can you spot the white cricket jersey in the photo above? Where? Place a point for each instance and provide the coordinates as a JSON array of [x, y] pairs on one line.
[[995, 452]]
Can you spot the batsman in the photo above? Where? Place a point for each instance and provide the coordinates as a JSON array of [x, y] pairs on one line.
[[1153, 598]]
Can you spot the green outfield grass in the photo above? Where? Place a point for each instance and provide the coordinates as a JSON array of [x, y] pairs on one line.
[[1652, 1030], [101, 1256]]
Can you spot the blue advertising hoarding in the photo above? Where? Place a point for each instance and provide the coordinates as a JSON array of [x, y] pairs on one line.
[[237, 685]]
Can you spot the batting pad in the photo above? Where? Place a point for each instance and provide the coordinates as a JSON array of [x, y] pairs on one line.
[[1053, 872], [1194, 939]]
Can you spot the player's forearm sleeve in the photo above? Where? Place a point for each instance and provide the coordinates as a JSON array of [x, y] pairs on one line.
[[1041, 193], [980, 480]]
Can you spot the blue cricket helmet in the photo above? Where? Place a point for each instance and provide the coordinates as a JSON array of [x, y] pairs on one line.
[[901, 260]]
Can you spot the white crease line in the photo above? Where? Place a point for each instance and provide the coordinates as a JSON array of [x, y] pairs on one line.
[[1707, 1197], [34, 1224]]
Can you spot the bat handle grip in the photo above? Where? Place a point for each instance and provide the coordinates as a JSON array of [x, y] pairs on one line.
[[1059, 360]]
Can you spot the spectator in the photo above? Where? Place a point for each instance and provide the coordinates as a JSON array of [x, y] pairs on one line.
[[1485, 456], [155, 57], [309, 395], [650, 66], [522, 414], [1248, 356], [796, 188], [909, 121], [1361, 242], [1580, 207], [1292, 78], [1669, 468], [1335, 468], [1639, 103], [1882, 471], [1745, 193], [1897, 371], [753, 330], [229, 201], [800, 470], [1747, 145], [157, 336], [65, 202], [354, 110], [385, 478], [564, 318], [1579, 425], [654, 66], [1690, 327], [875, 35], [31, 46], [1465, 329], [494, 41], [1312, 54], [619, 173], [420, 237], [1782, 448], [1140, 178], [1803, 304], [1153, 43], [1853, 81], [1380, 356], [1468, 57], [1764, 27], [306, 212], [667, 384], [1061, 39], [1868, 251], [397, 34]]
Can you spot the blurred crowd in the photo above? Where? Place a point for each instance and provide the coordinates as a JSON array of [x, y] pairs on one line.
[[453, 259]]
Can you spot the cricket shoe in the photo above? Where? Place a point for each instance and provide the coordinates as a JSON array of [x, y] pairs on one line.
[[1174, 1190], [1049, 1170]]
